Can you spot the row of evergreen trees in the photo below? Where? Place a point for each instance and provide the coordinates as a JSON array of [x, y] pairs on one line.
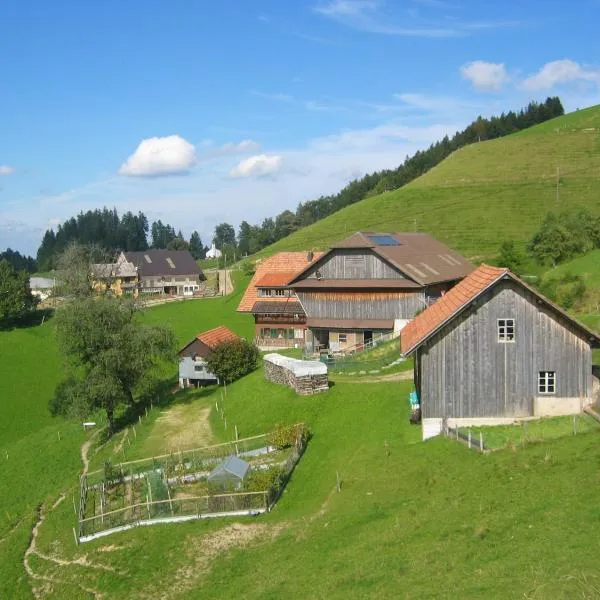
[[105, 228], [18, 261]]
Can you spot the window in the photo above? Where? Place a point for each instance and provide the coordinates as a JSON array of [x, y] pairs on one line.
[[198, 368], [342, 338], [506, 330], [547, 382], [279, 292]]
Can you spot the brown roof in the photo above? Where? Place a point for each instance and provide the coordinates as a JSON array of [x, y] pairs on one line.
[[275, 279], [355, 284], [419, 256], [282, 262], [280, 307], [458, 298], [351, 323], [164, 262], [215, 337]]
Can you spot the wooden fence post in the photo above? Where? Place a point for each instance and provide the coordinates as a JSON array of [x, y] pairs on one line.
[[338, 481], [469, 437], [480, 441], [75, 536]]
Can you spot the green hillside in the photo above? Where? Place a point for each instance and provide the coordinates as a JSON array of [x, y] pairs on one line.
[[482, 194]]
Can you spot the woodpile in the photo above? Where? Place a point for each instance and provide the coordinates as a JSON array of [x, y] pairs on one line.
[[304, 376]]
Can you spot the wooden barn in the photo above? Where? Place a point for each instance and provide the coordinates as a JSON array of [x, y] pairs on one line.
[[192, 357], [372, 284], [493, 350]]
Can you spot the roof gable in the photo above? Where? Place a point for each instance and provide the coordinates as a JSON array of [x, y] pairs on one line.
[[459, 298], [217, 336], [418, 256]]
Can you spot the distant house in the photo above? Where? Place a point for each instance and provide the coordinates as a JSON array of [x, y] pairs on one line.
[[42, 287], [174, 273], [493, 350], [120, 278], [372, 284], [192, 357], [279, 319]]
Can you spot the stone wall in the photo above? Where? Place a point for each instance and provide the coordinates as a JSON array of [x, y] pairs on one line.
[[305, 377]]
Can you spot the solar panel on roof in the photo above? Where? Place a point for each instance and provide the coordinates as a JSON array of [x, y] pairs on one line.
[[384, 240]]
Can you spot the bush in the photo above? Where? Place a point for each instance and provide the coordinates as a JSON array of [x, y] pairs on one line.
[[566, 291], [231, 360], [285, 437], [260, 481], [248, 267]]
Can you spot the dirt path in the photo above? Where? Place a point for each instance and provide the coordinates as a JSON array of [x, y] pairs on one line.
[[225, 282], [45, 580], [402, 376]]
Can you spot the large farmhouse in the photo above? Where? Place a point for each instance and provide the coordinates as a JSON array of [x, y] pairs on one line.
[[170, 272], [372, 284], [280, 321], [151, 272], [493, 350]]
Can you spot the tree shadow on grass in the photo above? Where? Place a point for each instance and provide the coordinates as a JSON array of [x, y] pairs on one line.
[[31, 319]]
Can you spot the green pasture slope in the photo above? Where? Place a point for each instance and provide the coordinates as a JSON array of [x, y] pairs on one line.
[[412, 519], [484, 193], [39, 454]]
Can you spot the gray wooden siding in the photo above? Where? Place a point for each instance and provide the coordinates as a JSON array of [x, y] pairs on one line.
[[466, 372], [353, 264], [388, 305]]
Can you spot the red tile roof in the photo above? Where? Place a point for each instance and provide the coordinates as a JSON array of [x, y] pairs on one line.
[[448, 305], [282, 262], [275, 279], [217, 336]]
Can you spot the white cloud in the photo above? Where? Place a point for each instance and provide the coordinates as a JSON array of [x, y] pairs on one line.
[[261, 164], [6, 170], [485, 76], [370, 16], [240, 147], [560, 72], [160, 156]]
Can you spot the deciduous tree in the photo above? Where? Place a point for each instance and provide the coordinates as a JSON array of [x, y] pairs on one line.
[[110, 353], [15, 296]]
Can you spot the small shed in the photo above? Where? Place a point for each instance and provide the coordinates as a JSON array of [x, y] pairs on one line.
[[230, 474], [193, 370]]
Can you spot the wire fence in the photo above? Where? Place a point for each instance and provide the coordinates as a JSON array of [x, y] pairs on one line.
[[182, 461], [129, 486]]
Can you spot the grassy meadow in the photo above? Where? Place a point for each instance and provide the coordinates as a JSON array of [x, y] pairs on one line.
[[412, 519], [483, 194]]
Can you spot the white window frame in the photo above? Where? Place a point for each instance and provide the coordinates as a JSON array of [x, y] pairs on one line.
[[546, 380], [342, 335], [502, 330]]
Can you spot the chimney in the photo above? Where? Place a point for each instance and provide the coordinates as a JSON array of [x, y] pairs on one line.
[[309, 256]]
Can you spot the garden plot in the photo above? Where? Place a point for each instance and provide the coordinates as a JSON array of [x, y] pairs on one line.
[[182, 486]]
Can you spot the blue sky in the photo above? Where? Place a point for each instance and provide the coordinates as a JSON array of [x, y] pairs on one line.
[[199, 112]]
